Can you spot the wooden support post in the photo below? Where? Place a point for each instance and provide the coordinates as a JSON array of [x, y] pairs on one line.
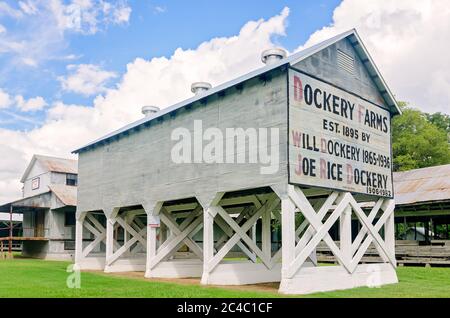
[[434, 227], [163, 233], [152, 209], [253, 230], [10, 231], [287, 234], [208, 242], [447, 234], [266, 232], [415, 231], [79, 239], [389, 233], [109, 239], [128, 219], [209, 202], [151, 246], [345, 233]]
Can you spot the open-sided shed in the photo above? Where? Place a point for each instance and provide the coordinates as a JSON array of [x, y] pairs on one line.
[[300, 142]]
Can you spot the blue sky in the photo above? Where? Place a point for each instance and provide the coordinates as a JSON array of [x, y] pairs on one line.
[[72, 71], [154, 28]]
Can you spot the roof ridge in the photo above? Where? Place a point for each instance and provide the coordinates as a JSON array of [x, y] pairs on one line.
[[53, 157]]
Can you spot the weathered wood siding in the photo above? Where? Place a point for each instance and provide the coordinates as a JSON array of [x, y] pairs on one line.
[[37, 171], [139, 167], [324, 65]]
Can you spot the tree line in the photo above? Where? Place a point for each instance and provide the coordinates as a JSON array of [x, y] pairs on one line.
[[420, 139]]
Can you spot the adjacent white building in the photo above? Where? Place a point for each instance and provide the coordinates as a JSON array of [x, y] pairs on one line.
[[48, 207]]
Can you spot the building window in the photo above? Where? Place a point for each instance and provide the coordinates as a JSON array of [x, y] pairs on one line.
[[35, 183], [69, 245], [71, 179], [69, 218]]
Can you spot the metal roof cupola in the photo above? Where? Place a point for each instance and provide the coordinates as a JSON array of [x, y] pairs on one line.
[[200, 87], [273, 55], [148, 111]]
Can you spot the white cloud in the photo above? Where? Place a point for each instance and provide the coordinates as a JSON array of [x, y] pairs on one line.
[[42, 35], [2, 29], [86, 79], [122, 15], [5, 99], [159, 9], [161, 81], [15, 117], [28, 7], [25, 105], [32, 104], [88, 16], [408, 40], [6, 9], [29, 61]]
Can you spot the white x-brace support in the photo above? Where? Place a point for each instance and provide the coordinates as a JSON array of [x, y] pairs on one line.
[[349, 253], [137, 233], [179, 235], [218, 214]]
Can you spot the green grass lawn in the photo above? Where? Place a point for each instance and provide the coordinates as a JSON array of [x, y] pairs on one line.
[[38, 278]]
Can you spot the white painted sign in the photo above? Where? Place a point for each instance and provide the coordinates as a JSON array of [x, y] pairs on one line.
[[154, 221], [336, 139], [35, 183]]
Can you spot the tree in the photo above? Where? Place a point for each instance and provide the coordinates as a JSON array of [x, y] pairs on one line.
[[419, 140], [440, 120]]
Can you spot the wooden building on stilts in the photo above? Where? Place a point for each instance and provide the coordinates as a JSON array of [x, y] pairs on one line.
[[298, 145]]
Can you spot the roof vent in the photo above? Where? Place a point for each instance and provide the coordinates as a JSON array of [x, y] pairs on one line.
[[271, 56], [149, 110], [345, 62], [200, 87]]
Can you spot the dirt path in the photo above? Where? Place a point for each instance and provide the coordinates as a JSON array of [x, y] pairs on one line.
[[265, 287]]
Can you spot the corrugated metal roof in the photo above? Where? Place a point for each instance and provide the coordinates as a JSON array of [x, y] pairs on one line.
[[52, 164], [66, 194], [290, 60], [58, 164], [422, 185], [41, 200]]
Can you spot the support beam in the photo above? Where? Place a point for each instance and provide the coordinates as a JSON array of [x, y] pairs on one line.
[[208, 202], [287, 234], [109, 239], [79, 238], [266, 232], [10, 231], [152, 208], [208, 242], [345, 234], [389, 233]]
